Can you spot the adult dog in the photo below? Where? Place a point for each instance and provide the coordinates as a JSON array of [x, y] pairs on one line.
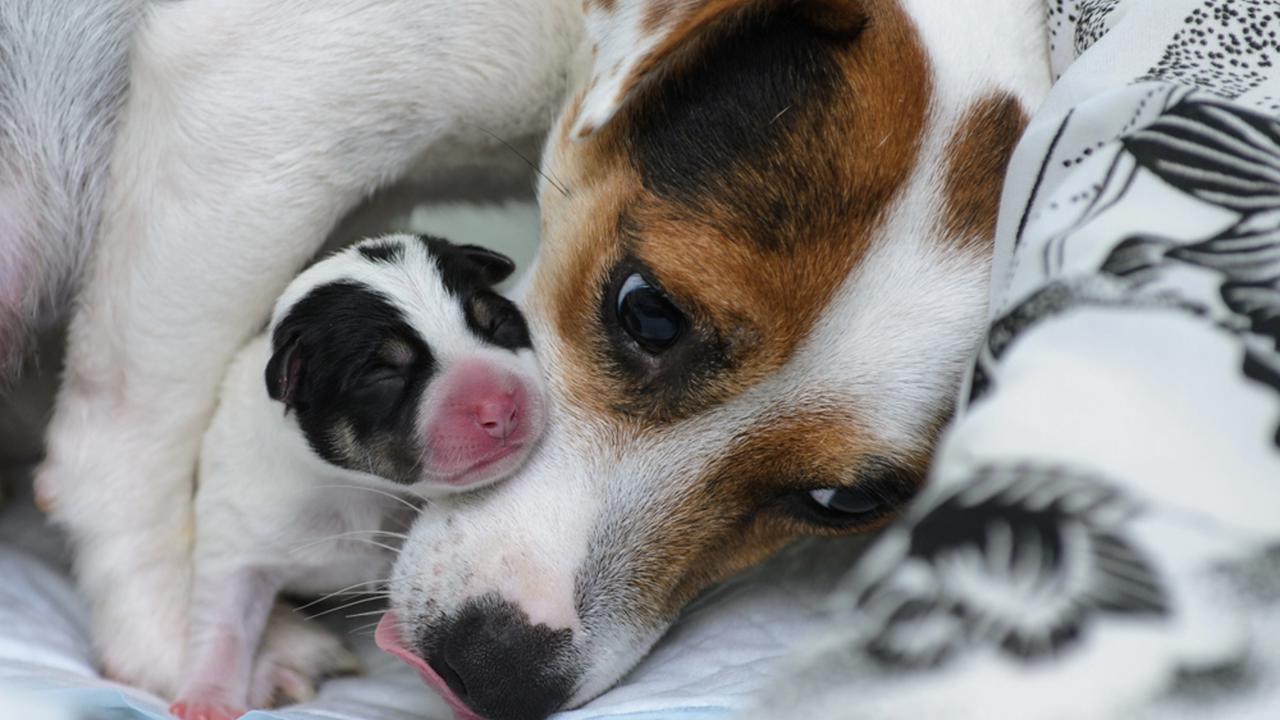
[[766, 234]]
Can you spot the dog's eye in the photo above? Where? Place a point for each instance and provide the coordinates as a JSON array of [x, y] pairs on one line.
[[648, 316], [846, 501], [837, 508]]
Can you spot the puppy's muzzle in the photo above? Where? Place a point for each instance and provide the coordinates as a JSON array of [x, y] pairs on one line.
[[497, 663]]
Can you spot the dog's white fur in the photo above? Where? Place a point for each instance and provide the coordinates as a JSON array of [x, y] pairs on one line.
[[893, 352], [250, 128], [252, 125], [63, 75]]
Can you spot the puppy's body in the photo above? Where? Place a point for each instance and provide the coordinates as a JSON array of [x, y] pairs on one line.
[[390, 372], [271, 516]]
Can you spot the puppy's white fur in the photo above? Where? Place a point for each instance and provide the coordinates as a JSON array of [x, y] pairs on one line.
[[272, 515]]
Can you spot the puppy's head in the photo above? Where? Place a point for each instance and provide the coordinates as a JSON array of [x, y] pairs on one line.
[[766, 233], [399, 360]]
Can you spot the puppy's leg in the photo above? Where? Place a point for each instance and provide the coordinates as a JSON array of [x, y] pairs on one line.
[[250, 128], [297, 653], [229, 613]]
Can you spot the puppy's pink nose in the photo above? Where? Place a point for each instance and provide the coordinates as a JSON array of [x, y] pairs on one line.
[[498, 415]]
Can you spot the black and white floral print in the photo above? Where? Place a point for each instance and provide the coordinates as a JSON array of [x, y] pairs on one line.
[[1227, 46], [1121, 443], [1075, 25], [1220, 155], [1093, 22], [1018, 557]]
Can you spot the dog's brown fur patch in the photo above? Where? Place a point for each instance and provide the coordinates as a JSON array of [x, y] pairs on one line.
[[738, 513], [978, 156], [757, 247], [601, 5], [752, 244]]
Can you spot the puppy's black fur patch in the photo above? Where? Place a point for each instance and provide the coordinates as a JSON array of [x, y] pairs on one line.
[[387, 251], [469, 272], [351, 367]]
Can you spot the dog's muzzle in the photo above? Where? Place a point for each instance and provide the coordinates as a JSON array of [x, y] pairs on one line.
[[493, 661]]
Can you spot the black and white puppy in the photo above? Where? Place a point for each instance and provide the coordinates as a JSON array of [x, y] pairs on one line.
[[393, 370]]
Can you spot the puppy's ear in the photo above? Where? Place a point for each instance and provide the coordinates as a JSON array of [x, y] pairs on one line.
[[284, 372], [494, 267], [634, 40]]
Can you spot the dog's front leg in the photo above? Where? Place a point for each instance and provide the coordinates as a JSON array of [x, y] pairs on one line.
[[250, 129]]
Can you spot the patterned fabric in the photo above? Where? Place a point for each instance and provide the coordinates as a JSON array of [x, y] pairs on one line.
[[1101, 537]]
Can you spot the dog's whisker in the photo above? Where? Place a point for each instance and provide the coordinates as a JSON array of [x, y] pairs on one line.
[[364, 629], [376, 491], [348, 590], [344, 606], [389, 548], [545, 175], [365, 614], [350, 535]]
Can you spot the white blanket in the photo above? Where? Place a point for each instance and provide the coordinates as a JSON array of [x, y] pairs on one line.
[[1101, 537], [723, 650]]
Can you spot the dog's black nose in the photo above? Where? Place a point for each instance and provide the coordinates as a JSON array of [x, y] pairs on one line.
[[499, 664]]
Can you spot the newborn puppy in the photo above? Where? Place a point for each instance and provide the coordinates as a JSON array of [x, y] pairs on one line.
[[393, 371]]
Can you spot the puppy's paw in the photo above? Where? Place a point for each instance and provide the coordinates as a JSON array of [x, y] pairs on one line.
[[296, 655], [203, 710]]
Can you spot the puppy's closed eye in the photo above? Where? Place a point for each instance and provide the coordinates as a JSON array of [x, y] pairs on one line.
[[496, 320]]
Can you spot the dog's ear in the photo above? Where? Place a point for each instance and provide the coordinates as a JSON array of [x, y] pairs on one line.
[[634, 40], [284, 372], [494, 267]]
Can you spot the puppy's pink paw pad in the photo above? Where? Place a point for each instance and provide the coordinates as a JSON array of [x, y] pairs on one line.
[[195, 710]]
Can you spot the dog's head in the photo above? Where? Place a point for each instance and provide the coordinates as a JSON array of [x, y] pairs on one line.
[[399, 360], [766, 232]]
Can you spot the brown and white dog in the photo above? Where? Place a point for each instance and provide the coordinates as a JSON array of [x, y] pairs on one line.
[[766, 240], [762, 275]]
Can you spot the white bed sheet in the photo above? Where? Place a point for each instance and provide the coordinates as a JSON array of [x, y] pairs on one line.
[[725, 648]]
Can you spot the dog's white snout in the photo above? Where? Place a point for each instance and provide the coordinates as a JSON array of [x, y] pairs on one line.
[[545, 594]]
